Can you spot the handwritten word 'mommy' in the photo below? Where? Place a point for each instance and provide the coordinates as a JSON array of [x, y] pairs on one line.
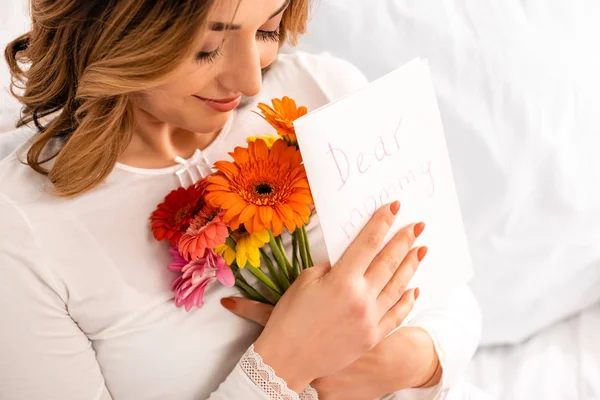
[[422, 180], [383, 150]]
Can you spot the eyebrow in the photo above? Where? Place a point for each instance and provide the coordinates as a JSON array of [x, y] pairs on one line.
[[283, 7], [221, 26]]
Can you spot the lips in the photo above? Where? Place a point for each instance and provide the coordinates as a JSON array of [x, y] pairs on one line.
[[221, 105]]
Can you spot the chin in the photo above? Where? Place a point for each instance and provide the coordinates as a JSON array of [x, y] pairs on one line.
[[209, 124]]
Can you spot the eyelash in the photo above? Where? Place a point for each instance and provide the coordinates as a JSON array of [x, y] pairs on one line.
[[269, 36], [211, 56]]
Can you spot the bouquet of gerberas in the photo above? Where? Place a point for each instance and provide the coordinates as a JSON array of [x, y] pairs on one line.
[[231, 222]]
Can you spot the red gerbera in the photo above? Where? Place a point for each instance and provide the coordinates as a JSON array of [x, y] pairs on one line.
[[173, 217]]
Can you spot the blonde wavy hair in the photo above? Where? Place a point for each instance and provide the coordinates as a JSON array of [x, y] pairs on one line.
[[77, 69]]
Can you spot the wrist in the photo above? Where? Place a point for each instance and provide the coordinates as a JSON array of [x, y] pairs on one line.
[[285, 365], [429, 370], [435, 377]]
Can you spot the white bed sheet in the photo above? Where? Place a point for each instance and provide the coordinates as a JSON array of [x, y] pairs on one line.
[[560, 363]]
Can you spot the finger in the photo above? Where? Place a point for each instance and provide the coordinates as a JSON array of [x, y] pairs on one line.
[[398, 313], [248, 309], [387, 262], [368, 243], [316, 272], [401, 279]]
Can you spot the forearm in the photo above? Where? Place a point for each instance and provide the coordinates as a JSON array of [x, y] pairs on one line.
[[405, 359]]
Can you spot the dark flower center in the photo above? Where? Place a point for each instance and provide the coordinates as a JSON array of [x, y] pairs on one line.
[[181, 213], [263, 189]]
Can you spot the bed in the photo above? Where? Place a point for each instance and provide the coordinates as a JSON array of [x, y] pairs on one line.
[[517, 83]]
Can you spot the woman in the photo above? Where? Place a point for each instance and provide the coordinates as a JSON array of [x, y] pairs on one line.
[[118, 89]]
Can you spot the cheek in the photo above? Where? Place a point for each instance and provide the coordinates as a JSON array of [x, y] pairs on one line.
[[158, 105], [268, 53], [190, 79]]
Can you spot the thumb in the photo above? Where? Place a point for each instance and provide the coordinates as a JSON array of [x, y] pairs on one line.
[[248, 309]]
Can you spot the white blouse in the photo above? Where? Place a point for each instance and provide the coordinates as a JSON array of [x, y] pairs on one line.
[[85, 302]]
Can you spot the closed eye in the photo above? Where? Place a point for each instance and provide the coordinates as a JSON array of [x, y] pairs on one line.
[[208, 56], [268, 36]]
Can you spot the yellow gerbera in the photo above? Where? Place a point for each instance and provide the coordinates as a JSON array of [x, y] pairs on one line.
[[247, 248], [268, 139]]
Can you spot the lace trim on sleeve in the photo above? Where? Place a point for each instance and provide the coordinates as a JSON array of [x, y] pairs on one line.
[[310, 393], [267, 380]]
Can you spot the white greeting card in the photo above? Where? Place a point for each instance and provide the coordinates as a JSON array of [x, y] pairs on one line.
[[384, 143]]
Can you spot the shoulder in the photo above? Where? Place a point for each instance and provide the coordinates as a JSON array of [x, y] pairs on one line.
[[28, 219], [18, 246], [20, 188], [322, 74], [19, 183]]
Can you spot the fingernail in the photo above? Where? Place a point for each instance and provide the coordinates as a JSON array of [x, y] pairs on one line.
[[228, 303], [395, 207], [419, 228], [421, 253], [417, 293]]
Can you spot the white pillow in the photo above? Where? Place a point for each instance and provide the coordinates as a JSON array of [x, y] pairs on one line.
[[14, 21], [518, 86]]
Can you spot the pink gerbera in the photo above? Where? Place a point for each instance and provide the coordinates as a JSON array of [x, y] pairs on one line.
[[197, 275], [178, 261], [206, 231]]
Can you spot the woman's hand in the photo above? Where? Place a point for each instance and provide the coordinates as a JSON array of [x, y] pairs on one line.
[[405, 359], [332, 316]]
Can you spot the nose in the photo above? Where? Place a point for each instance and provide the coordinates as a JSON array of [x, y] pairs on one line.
[[243, 73]]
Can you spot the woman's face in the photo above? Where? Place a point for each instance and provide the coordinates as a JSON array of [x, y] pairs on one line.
[[243, 38]]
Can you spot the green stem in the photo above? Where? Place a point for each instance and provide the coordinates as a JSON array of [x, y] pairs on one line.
[[302, 248], [242, 290], [242, 284], [275, 275], [288, 264], [253, 294], [307, 242], [295, 261], [230, 242], [280, 261], [266, 281]]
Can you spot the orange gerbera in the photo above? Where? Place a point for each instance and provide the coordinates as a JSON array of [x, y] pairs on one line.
[[262, 188], [282, 117]]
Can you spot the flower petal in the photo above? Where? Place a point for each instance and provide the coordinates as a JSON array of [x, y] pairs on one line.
[[241, 257], [240, 155], [277, 224], [266, 213], [229, 169], [211, 232], [225, 276], [248, 213], [263, 236], [261, 149]]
